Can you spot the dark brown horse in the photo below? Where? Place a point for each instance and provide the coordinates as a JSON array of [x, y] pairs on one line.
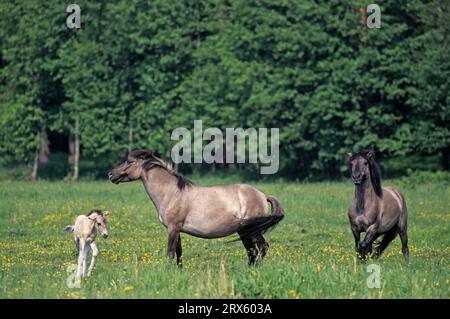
[[375, 210], [201, 211]]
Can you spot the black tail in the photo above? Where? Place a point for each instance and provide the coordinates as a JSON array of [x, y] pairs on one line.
[[260, 225], [68, 228]]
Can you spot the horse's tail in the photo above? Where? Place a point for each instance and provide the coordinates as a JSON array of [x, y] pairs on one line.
[[68, 228], [260, 225]]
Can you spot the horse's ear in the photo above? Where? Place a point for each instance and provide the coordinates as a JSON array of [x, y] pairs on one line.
[[371, 154], [106, 213], [93, 216], [349, 156]]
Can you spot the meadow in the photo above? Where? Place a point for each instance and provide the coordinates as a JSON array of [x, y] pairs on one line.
[[311, 251]]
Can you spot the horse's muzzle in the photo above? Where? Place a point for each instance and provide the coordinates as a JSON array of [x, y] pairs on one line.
[[357, 179], [113, 179]]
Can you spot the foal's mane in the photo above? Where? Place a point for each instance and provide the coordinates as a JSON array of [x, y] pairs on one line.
[[375, 172], [94, 211], [153, 159]]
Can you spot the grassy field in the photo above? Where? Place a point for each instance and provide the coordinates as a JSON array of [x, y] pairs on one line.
[[311, 253]]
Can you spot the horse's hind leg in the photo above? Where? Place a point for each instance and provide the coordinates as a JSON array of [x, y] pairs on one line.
[[404, 238], [403, 231], [179, 253], [250, 246], [387, 238], [263, 247]]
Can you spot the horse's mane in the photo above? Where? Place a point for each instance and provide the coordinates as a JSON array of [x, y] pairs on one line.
[[153, 159], [93, 211], [375, 172]]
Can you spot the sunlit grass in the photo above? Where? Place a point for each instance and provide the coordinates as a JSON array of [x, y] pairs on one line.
[[310, 256]]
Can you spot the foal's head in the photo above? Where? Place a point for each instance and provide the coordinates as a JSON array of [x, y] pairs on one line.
[[363, 167], [132, 168], [100, 222]]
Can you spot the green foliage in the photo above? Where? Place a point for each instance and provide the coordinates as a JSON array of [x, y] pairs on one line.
[[137, 70], [416, 178]]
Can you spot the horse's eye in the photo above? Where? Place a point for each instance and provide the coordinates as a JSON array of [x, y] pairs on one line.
[[99, 224], [365, 163]]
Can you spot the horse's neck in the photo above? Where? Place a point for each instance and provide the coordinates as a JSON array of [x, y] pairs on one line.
[[161, 186], [364, 193]]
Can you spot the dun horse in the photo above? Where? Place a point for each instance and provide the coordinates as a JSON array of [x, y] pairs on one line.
[[201, 211], [375, 210]]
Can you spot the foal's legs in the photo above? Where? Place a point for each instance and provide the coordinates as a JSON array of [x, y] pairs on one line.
[[82, 255], [86, 249], [94, 256], [250, 246], [263, 247]]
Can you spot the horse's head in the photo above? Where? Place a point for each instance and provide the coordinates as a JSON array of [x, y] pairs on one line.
[[131, 169], [100, 222], [360, 165]]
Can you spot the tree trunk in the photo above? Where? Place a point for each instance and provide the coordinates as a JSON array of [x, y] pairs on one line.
[[34, 171], [76, 162], [41, 155], [71, 158], [44, 152], [130, 134]]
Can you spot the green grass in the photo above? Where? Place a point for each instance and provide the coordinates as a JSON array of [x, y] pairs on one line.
[[311, 253]]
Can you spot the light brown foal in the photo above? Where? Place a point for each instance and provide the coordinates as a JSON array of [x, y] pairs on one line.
[[201, 211], [375, 210]]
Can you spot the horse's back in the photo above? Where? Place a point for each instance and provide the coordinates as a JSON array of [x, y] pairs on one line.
[[244, 198]]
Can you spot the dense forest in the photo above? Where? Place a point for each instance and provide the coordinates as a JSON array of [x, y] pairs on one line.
[[136, 70]]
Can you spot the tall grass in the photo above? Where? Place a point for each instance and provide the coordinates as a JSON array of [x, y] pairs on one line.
[[310, 256]]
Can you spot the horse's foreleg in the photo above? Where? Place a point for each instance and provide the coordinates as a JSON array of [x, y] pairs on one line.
[[179, 252], [80, 259], [174, 235], [357, 236], [85, 252], [387, 238], [366, 245], [94, 257]]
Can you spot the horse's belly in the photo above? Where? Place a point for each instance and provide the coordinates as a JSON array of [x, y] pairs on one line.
[[210, 225], [208, 233], [387, 223]]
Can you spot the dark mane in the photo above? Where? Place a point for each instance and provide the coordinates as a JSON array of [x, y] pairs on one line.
[[375, 172], [93, 211], [153, 159]]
